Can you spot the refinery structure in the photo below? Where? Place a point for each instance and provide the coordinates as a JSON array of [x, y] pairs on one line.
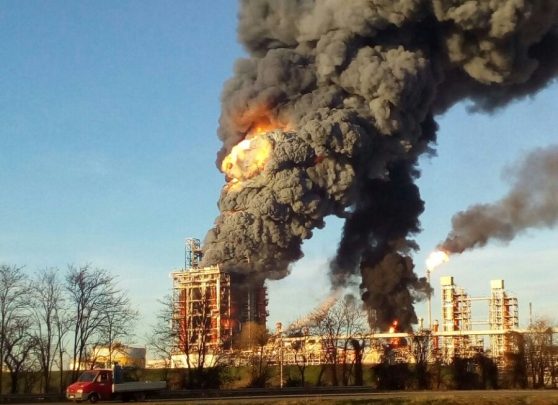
[[459, 338], [211, 306]]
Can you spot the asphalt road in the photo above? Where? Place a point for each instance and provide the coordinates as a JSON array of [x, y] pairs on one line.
[[423, 397], [503, 397]]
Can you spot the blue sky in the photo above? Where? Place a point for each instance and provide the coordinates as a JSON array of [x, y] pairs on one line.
[[108, 120]]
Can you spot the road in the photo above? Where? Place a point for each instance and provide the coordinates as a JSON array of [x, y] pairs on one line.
[[504, 397]]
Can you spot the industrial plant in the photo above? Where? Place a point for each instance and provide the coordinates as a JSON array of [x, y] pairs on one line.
[[459, 338], [211, 306]]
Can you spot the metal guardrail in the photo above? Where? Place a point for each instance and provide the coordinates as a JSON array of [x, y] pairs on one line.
[[260, 392], [198, 393], [23, 398]]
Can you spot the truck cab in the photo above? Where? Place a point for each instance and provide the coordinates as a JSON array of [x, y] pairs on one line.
[[92, 385]]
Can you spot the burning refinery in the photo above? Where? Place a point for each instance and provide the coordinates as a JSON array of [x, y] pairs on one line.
[[328, 114], [216, 304]]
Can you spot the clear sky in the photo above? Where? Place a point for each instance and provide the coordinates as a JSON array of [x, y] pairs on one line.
[[108, 118]]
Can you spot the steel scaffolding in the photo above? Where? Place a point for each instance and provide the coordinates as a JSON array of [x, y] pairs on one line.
[[192, 253], [456, 316], [503, 315], [210, 306], [202, 308], [460, 339]]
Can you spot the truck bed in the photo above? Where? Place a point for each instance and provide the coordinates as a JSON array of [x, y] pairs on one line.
[[140, 386]]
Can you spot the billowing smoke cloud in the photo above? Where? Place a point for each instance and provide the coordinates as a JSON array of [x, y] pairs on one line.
[[532, 202], [351, 89]]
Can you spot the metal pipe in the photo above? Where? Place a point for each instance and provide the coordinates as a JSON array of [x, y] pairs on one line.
[[281, 376], [279, 327], [429, 301]]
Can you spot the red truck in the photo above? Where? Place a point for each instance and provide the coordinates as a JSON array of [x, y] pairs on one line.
[[96, 385]]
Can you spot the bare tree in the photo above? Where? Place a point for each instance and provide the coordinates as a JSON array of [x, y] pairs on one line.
[[420, 350], [18, 345], [13, 292], [118, 324], [327, 325], [254, 338], [192, 334], [48, 300], [539, 353], [92, 294], [197, 337], [62, 324], [162, 336], [300, 346], [354, 328], [341, 326], [187, 327]]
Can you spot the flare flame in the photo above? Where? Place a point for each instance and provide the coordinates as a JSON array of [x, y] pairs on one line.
[[436, 259]]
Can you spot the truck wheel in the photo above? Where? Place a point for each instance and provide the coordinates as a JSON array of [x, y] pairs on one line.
[[94, 398], [140, 397]]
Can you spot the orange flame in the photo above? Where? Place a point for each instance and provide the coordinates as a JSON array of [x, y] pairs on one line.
[[436, 258], [394, 342], [249, 157]]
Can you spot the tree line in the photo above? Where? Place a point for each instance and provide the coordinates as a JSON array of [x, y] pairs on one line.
[[53, 320]]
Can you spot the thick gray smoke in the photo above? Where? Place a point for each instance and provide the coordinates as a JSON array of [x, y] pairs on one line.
[[532, 202], [351, 89]]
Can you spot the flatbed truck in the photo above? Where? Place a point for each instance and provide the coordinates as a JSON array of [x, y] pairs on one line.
[[97, 385]]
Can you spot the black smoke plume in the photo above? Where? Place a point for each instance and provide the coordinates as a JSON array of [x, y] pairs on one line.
[[532, 202], [352, 89]]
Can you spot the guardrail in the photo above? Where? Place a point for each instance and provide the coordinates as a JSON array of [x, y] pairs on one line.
[[23, 398], [198, 393], [260, 392]]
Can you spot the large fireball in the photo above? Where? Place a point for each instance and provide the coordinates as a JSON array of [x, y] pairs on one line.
[[247, 158]]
